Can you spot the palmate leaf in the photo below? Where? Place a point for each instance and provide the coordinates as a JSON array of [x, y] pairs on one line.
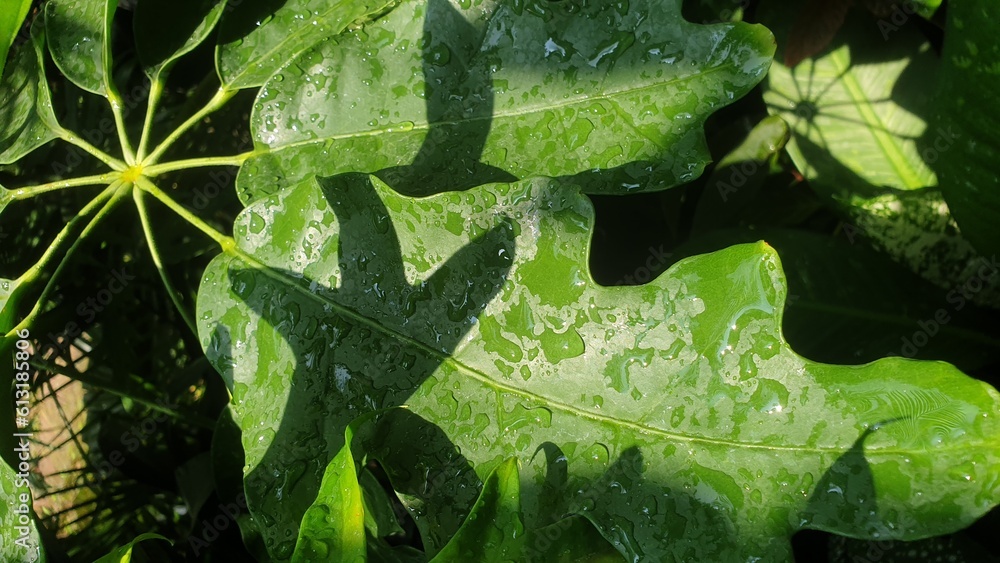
[[672, 415], [859, 113], [447, 95], [965, 103]]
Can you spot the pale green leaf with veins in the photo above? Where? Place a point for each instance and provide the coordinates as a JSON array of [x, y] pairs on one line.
[[857, 112], [447, 95], [672, 415], [846, 106]]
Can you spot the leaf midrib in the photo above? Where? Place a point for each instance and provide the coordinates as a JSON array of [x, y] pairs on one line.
[[544, 400], [525, 110], [879, 130]]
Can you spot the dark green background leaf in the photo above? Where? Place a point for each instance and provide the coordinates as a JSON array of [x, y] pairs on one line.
[[966, 107]]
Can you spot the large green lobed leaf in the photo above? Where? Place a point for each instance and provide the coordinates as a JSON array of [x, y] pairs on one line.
[[672, 415], [447, 95]]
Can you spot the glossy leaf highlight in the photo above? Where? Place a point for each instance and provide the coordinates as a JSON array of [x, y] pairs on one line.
[[11, 20], [79, 33]]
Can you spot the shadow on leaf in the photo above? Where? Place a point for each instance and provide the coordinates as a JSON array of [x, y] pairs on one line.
[[460, 99], [345, 362], [846, 493]]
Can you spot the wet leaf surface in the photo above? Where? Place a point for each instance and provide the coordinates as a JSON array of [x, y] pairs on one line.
[[79, 34], [261, 36], [672, 415], [435, 96]]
